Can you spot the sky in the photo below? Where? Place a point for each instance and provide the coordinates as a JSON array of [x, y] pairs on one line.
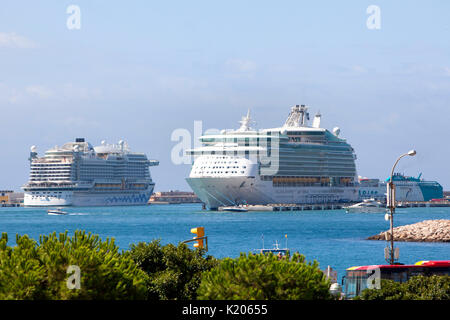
[[139, 70]]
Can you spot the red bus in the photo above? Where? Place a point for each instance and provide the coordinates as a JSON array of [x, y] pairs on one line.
[[357, 279]]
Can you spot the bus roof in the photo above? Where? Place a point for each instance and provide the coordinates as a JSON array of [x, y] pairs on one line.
[[423, 263]]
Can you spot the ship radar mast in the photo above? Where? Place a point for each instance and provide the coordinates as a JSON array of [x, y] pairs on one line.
[[245, 122], [123, 146], [298, 116], [33, 154]]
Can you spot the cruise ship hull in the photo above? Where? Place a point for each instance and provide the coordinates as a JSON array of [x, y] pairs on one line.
[[87, 199], [227, 191], [404, 191]]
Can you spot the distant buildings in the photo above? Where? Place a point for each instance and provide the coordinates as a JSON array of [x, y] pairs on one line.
[[9, 197], [4, 196], [173, 197]]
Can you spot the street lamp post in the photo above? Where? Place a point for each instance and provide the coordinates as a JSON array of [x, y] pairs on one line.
[[391, 204]]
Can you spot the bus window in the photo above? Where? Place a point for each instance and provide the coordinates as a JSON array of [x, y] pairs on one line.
[[355, 282], [350, 287], [397, 275]]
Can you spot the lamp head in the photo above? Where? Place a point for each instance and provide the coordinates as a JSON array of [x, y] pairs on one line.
[[412, 153]]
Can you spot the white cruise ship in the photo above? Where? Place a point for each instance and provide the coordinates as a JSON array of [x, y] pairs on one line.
[[295, 163], [77, 174]]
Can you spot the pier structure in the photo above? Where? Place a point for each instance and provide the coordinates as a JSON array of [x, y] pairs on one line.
[[305, 207], [337, 206], [173, 197], [293, 207], [415, 204]]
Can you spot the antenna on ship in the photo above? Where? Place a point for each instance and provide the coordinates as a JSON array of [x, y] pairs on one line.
[[33, 153], [245, 122]]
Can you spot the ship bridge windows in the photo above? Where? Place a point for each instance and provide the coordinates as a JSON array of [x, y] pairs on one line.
[[305, 133]]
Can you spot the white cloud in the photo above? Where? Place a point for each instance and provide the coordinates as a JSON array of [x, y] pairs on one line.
[[182, 84], [56, 93], [79, 122], [447, 71], [13, 40], [358, 69], [71, 91], [240, 69], [241, 65], [39, 91]]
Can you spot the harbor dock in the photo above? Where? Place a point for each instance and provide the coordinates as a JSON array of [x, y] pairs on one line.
[[305, 207], [8, 205], [337, 206], [173, 197]]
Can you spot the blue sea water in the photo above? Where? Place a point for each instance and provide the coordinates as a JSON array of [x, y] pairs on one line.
[[332, 237]]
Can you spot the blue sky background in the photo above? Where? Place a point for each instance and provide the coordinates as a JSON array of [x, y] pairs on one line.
[[137, 70]]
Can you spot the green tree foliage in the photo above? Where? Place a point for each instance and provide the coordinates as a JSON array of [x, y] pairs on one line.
[[39, 271], [417, 288], [262, 277], [174, 272]]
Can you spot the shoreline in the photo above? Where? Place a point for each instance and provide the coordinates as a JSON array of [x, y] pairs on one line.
[[424, 231]]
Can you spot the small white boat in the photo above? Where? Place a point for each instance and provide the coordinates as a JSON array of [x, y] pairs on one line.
[[56, 212], [276, 250], [401, 205], [234, 209], [367, 206]]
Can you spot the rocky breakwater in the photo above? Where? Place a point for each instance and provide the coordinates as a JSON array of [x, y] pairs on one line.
[[425, 231]]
